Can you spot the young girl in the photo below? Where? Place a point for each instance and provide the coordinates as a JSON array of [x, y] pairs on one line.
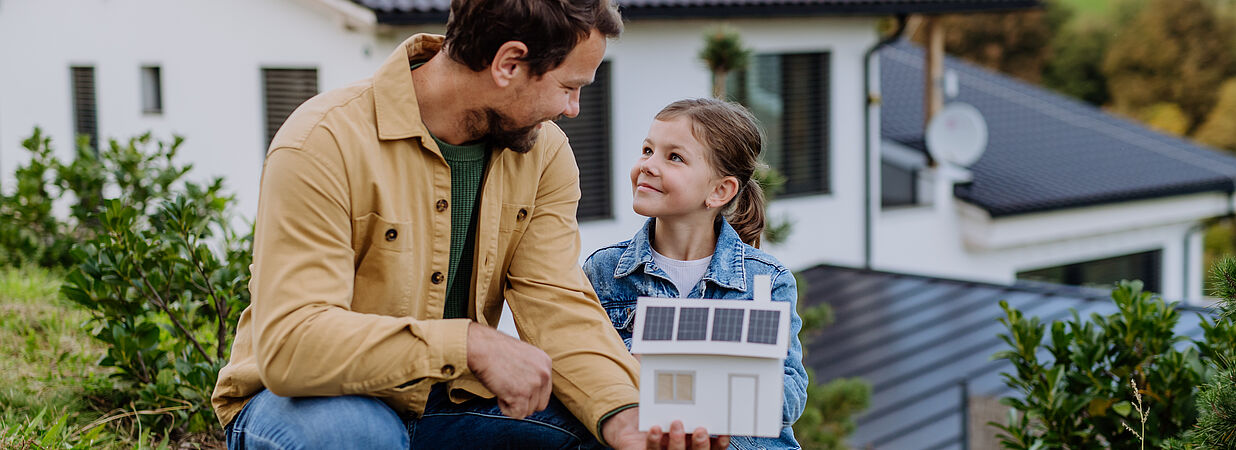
[[694, 182]]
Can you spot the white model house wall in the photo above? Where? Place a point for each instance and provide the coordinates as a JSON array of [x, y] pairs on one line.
[[210, 54], [715, 379]]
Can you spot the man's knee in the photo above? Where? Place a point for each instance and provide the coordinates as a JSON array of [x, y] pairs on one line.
[[320, 422]]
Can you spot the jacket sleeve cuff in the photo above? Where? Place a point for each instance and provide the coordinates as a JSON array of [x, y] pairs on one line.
[[448, 348], [605, 403], [601, 422]]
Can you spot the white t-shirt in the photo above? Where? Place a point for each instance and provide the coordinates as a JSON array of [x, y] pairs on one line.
[[684, 274]]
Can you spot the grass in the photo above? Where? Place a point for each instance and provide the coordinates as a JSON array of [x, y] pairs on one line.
[[49, 378]]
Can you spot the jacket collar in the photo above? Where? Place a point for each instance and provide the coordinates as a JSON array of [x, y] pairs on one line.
[[726, 268], [398, 114]]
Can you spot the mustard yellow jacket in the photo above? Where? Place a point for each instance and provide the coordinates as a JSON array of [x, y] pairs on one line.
[[352, 245]]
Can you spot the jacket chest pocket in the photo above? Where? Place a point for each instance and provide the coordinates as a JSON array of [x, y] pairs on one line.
[[382, 261], [511, 226], [515, 218]]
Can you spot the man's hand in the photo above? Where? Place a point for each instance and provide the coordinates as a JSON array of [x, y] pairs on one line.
[[622, 432], [518, 373]]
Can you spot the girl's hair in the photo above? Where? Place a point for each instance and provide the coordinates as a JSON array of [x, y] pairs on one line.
[[733, 134]]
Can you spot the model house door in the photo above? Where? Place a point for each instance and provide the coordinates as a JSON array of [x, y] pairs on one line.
[[742, 405]]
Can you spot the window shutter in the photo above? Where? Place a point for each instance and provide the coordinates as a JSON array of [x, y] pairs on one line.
[[590, 140], [152, 90], [805, 123], [284, 90], [85, 115]]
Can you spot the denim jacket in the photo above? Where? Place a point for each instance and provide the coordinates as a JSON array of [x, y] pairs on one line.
[[623, 272]]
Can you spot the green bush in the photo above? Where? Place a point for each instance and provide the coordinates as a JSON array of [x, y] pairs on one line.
[[139, 170], [165, 292], [1075, 388], [153, 259]]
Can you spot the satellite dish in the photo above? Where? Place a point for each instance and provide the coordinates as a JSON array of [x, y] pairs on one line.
[[957, 134]]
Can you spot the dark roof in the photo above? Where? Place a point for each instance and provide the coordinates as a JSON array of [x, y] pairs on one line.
[[1047, 151], [919, 340], [404, 12]]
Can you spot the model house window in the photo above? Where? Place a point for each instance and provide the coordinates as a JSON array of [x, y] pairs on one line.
[[284, 90], [589, 136], [788, 94], [675, 387], [727, 324], [762, 329], [693, 324], [85, 115], [152, 90], [659, 323], [1145, 266]]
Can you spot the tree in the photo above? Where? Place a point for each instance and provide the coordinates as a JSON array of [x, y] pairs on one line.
[[1174, 51], [723, 52], [1075, 67], [1219, 129], [1016, 43]]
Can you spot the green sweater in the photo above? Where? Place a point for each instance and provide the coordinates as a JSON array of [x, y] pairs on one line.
[[467, 170]]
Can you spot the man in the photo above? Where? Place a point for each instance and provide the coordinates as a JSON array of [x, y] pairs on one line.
[[395, 216]]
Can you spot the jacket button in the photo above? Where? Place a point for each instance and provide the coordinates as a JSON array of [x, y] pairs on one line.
[[441, 205], [448, 370], [522, 214], [437, 278], [391, 234]]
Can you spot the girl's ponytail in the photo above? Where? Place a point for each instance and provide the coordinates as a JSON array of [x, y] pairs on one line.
[[746, 213]]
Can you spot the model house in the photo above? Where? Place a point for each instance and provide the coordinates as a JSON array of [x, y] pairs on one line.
[[717, 364]]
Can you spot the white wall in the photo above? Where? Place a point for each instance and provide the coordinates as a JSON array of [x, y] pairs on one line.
[[655, 63], [211, 54], [957, 240]]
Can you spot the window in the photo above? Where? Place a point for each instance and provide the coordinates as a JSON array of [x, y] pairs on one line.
[[762, 329], [693, 324], [589, 134], [675, 387], [284, 90], [659, 325], [85, 115], [1145, 266], [900, 183], [152, 90], [727, 324], [788, 94]]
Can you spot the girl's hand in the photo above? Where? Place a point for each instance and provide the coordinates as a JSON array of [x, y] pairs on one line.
[[677, 439]]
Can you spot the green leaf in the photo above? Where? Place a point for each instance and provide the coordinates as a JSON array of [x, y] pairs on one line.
[[1123, 408]]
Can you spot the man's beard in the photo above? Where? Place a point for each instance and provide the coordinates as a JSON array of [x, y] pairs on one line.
[[498, 131]]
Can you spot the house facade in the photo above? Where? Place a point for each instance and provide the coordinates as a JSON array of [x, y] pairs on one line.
[[225, 73]]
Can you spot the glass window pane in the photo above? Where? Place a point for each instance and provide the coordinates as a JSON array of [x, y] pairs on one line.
[[665, 387], [686, 387]]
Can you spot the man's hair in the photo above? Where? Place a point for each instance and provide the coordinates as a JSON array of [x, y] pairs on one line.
[[550, 29]]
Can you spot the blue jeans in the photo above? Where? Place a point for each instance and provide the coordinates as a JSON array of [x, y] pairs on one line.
[[269, 421]]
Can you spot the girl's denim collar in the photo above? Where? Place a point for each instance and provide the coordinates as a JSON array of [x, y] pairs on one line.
[[726, 269]]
